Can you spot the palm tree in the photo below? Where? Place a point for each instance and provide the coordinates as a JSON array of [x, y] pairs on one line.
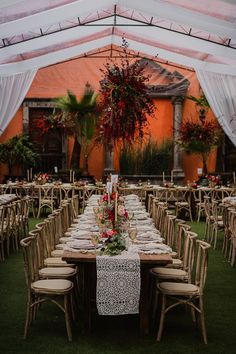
[[80, 119]]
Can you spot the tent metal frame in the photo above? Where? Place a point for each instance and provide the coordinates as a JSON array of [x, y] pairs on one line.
[[6, 42]]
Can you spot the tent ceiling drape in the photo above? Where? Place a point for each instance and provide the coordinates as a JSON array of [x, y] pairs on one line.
[[35, 34], [185, 32]]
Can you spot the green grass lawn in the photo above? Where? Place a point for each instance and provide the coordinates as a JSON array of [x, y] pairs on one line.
[[119, 334]]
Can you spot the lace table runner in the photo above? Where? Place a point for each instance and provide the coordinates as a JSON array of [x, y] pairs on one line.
[[118, 284]]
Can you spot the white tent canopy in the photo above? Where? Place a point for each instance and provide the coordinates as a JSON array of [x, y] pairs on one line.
[[201, 34]]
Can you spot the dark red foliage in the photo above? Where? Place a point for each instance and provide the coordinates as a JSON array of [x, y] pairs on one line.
[[124, 101]]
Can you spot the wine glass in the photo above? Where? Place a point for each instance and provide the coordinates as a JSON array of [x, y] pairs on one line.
[[95, 240], [130, 215], [133, 233]]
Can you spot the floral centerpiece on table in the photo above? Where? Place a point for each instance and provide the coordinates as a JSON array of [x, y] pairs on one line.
[[114, 243], [41, 178], [213, 180], [112, 218]]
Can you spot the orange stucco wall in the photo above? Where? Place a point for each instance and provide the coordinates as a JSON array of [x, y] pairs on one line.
[[54, 81]]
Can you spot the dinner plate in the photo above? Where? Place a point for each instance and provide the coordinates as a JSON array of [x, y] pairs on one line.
[[84, 227], [81, 246]]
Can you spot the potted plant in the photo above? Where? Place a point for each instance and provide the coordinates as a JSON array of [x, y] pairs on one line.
[[18, 152], [200, 136]]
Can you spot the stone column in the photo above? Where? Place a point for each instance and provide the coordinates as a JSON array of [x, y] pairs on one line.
[[109, 159], [177, 119]]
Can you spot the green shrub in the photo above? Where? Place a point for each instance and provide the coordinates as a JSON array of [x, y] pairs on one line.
[[151, 158]]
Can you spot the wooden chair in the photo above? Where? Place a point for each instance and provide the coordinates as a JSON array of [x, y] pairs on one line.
[[232, 237], [217, 222], [183, 203], [190, 294], [182, 275], [41, 290], [47, 198], [209, 218]]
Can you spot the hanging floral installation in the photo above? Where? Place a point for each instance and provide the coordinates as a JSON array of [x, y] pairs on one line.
[[124, 100]]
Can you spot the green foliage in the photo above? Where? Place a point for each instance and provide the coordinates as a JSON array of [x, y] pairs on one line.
[[199, 101], [114, 246], [18, 151], [79, 117], [148, 159]]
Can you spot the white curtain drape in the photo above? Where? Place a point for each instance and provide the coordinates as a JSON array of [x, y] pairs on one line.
[[13, 90], [220, 91]]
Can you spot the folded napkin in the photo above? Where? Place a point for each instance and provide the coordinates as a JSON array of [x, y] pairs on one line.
[[145, 228], [84, 226], [152, 248], [78, 232], [147, 238], [81, 244], [131, 197], [135, 207]]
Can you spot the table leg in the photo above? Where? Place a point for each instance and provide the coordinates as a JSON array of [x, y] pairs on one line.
[[144, 301]]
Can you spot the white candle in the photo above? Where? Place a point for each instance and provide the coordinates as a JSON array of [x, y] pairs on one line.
[[234, 177], [73, 176], [163, 177], [171, 176], [27, 175], [116, 206]]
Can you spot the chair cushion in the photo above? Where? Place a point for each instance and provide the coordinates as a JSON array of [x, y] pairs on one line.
[[75, 224], [60, 246], [52, 286], [169, 273], [57, 253], [56, 262], [173, 254], [57, 272], [176, 263], [64, 239], [180, 289]]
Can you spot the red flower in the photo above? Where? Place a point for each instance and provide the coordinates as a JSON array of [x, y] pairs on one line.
[[124, 101]]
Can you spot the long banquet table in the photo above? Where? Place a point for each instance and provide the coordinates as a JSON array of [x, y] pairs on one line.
[[87, 268]]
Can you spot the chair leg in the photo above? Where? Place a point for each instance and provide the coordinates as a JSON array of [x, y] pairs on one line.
[[28, 318], [206, 233], [67, 316], [214, 236], [233, 255], [163, 308], [202, 319]]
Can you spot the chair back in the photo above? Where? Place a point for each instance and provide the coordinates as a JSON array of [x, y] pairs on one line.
[[189, 252], [30, 254], [182, 227], [169, 234], [207, 207], [201, 264]]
